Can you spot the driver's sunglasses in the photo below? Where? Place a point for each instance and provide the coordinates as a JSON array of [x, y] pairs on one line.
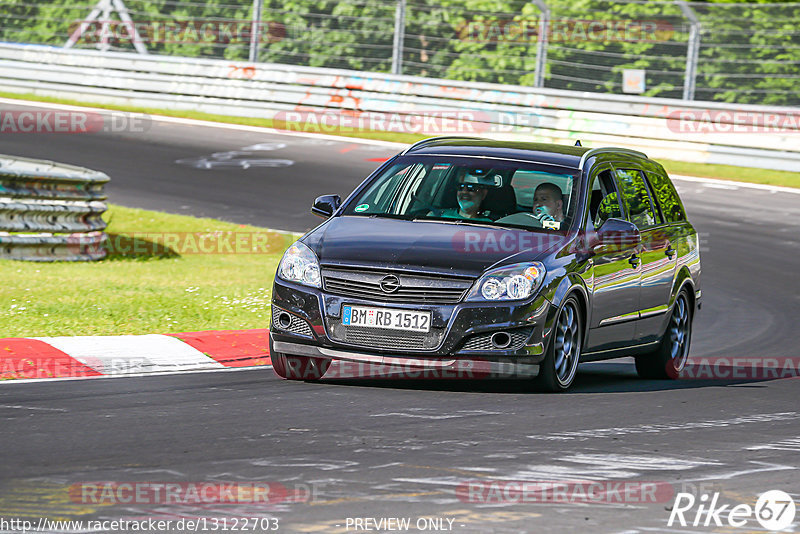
[[469, 187]]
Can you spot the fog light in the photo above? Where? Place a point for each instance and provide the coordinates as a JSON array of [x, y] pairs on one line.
[[501, 340], [284, 320]]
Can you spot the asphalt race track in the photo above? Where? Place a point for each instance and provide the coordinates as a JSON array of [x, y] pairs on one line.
[[398, 448]]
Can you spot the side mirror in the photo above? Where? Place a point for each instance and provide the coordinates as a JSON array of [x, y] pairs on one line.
[[325, 205], [618, 234]]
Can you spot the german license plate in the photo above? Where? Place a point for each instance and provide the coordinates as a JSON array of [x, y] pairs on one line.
[[411, 321]]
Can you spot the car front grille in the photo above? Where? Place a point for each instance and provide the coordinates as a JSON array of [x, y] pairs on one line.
[[384, 338], [413, 288], [483, 342]]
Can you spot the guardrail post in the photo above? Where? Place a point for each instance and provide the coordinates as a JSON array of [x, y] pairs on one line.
[[255, 31], [399, 34], [692, 51], [541, 45]]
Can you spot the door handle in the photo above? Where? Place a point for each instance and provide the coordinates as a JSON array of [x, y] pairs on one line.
[[634, 260], [670, 252]]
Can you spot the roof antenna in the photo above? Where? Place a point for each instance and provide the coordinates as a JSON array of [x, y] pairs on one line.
[[578, 143]]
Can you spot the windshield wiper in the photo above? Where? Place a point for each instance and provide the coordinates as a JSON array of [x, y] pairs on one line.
[[458, 221]]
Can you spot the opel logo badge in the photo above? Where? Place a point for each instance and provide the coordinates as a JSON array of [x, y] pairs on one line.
[[390, 283]]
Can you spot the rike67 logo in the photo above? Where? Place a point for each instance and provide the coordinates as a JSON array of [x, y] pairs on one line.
[[774, 510]]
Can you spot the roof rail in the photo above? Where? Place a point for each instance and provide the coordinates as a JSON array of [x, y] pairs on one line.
[[420, 144], [595, 151]]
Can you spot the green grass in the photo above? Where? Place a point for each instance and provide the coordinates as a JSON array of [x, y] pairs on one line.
[[144, 287], [722, 172], [729, 172]]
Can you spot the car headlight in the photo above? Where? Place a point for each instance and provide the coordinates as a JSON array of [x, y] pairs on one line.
[[512, 282], [300, 265]]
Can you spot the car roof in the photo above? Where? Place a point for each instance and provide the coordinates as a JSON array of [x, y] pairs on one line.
[[552, 154]]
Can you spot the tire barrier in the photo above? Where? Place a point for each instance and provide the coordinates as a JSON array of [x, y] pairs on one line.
[[50, 211], [703, 132], [47, 216]]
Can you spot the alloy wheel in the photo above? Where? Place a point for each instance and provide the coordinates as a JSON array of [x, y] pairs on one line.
[[567, 344], [679, 326]]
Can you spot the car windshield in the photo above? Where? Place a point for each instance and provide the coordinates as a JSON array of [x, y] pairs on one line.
[[471, 190]]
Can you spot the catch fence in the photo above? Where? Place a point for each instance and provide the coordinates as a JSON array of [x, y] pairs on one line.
[[736, 53]]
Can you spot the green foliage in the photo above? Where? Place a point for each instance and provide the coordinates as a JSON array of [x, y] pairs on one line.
[[350, 34], [749, 53], [211, 28]]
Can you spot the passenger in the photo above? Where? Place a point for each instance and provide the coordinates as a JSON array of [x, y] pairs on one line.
[[547, 200], [472, 190]]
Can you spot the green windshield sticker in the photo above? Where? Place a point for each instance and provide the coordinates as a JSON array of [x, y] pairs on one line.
[[440, 166], [361, 207]]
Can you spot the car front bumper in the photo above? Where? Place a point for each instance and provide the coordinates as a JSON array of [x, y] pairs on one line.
[[459, 333]]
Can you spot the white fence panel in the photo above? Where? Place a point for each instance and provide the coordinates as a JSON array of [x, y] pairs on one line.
[[691, 131]]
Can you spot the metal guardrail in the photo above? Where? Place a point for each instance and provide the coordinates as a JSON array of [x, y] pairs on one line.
[[271, 90], [50, 211]]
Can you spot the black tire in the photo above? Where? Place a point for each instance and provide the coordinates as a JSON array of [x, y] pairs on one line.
[[560, 365], [669, 359], [299, 367]]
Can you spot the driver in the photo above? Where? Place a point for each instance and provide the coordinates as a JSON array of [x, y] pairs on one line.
[[547, 200], [547, 211], [472, 190]]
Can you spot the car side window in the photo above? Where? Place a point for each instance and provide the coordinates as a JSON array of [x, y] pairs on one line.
[[395, 194], [667, 197], [408, 190], [378, 197], [603, 200], [636, 196]]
